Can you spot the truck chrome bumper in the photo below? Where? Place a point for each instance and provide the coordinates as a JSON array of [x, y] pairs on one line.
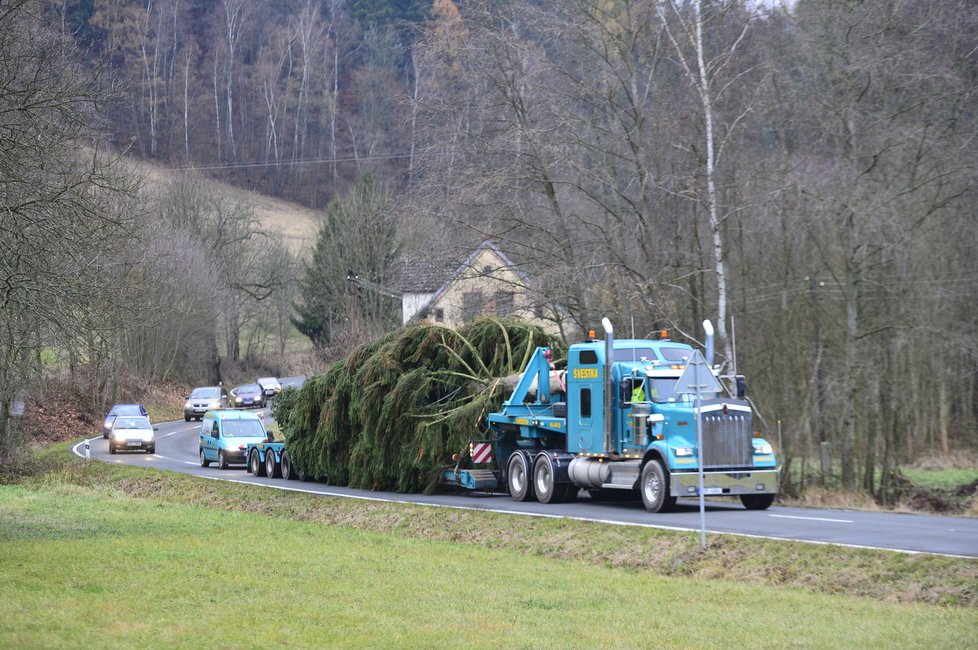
[[763, 481]]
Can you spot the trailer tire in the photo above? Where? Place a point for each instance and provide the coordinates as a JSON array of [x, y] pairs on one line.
[[255, 466], [272, 469], [757, 501], [288, 472], [654, 487], [518, 478]]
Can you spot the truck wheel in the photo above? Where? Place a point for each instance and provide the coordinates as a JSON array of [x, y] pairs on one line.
[[272, 469], [288, 472], [655, 488], [518, 478], [255, 466], [543, 481], [757, 501], [203, 459], [222, 461]]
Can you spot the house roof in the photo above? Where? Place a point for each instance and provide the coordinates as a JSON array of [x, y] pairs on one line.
[[423, 273]]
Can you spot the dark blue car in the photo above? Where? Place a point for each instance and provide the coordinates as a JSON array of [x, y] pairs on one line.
[[248, 396], [121, 409]]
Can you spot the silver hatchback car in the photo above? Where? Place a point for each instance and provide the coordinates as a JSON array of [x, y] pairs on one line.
[[132, 432]]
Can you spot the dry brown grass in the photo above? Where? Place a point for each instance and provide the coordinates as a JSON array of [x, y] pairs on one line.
[[298, 224]]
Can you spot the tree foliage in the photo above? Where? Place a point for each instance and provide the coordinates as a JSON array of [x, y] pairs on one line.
[[390, 415], [357, 237]]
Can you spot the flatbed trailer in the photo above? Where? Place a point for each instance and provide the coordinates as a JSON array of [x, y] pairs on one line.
[[270, 459]]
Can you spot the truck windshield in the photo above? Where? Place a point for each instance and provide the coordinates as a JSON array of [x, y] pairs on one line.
[[243, 429], [663, 389]]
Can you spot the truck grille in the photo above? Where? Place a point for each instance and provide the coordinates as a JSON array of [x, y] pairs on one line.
[[727, 440]]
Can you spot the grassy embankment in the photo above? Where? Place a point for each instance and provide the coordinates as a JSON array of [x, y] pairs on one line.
[[113, 556]]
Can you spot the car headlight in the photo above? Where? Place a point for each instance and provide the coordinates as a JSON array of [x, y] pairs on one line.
[[683, 451], [763, 449], [216, 404], [188, 405], [119, 436], [148, 437], [237, 399]]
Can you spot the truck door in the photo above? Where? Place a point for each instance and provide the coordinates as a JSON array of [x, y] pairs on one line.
[[585, 402]]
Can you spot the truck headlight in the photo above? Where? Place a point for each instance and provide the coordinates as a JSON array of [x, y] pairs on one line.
[[683, 451], [763, 449]]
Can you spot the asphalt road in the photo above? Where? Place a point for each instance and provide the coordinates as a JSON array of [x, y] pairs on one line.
[[176, 450]]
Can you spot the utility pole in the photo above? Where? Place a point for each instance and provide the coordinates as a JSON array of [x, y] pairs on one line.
[[825, 452]]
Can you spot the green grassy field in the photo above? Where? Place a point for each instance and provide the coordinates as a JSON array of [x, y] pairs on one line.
[[87, 569], [103, 555]]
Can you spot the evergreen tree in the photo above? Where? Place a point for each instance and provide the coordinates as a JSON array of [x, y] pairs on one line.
[[357, 235]]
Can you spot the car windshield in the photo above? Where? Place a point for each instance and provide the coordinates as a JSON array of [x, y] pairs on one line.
[[125, 409], [132, 423], [243, 429], [205, 393], [247, 389], [267, 381]]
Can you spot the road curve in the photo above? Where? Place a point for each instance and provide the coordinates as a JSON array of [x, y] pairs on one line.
[[176, 450]]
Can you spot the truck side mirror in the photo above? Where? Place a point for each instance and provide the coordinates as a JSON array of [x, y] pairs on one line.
[[741, 387]]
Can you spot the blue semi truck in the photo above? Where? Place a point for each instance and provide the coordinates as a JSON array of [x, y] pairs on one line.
[[614, 422]]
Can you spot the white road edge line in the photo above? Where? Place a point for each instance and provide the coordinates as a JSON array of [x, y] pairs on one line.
[[837, 521], [590, 519]]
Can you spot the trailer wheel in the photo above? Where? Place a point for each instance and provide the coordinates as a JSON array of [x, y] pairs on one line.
[[757, 501], [518, 478], [655, 488], [288, 472], [255, 466], [272, 469]]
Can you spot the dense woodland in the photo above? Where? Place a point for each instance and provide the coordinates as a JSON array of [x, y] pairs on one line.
[[802, 174]]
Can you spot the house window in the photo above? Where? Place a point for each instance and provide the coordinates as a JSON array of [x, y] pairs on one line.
[[471, 305], [504, 303], [439, 315]]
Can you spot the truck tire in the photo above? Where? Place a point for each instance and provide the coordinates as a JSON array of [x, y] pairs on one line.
[[654, 487], [518, 478], [544, 487], [203, 459], [272, 469], [255, 466], [757, 501], [288, 471]]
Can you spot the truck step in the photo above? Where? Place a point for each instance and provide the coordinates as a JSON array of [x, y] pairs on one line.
[[471, 479]]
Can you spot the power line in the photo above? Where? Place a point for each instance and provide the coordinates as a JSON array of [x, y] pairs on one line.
[[273, 163]]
